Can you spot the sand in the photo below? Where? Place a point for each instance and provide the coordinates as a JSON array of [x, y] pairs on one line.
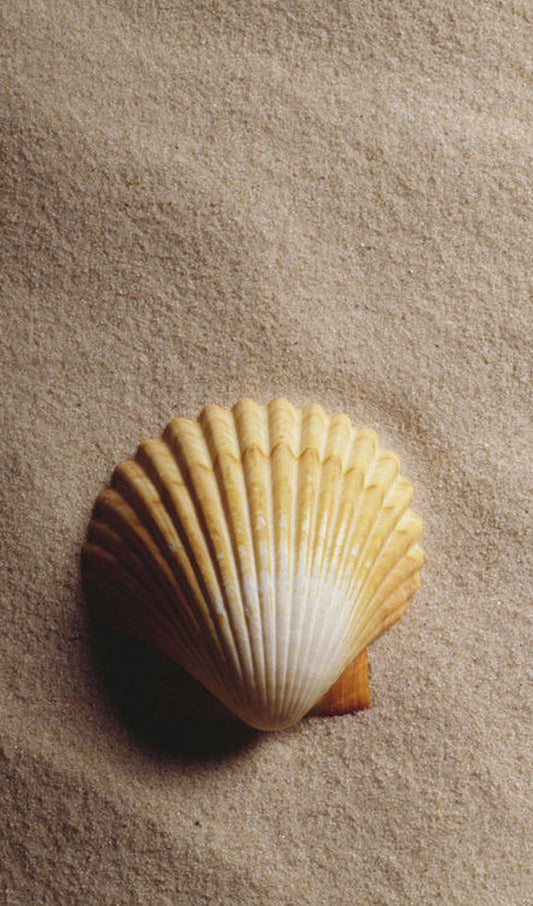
[[324, 201]]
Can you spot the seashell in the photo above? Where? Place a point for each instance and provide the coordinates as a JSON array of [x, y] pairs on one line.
[[261, 548]]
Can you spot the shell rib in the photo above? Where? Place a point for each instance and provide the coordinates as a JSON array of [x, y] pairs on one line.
[[262, 548]]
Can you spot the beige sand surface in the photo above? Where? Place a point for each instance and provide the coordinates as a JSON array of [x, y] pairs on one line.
[[326, 201]]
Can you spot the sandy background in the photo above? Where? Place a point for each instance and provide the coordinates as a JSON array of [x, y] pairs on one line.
[[324, 201]]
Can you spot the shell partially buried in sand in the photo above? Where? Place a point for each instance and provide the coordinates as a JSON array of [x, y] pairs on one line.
[[262, 548]]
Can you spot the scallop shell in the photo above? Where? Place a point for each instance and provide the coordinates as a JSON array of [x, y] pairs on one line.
[[262, 548]]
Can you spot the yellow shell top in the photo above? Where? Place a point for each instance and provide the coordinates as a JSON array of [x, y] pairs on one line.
[[262, 548]]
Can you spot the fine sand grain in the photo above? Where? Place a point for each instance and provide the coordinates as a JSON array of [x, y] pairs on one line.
[[325, 201]]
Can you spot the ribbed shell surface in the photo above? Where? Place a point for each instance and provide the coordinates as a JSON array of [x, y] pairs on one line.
[[262, 548]]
